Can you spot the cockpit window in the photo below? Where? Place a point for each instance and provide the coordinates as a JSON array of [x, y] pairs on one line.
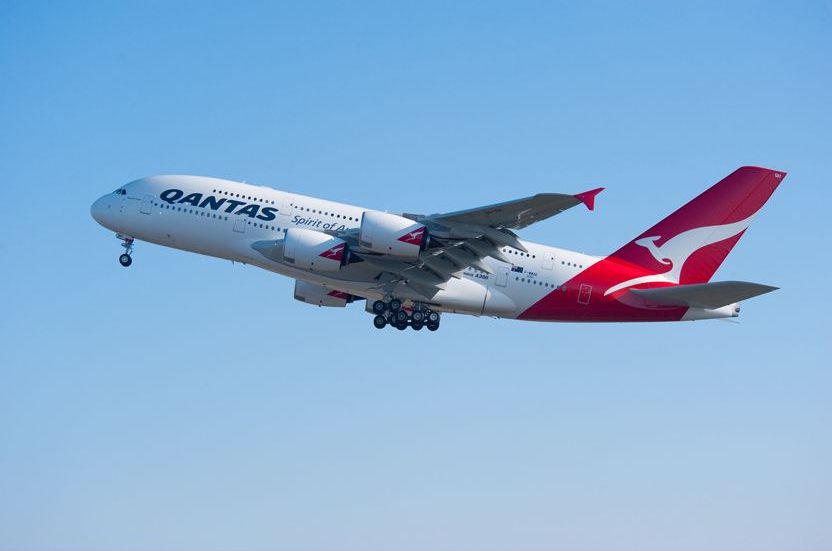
[[120, 191]]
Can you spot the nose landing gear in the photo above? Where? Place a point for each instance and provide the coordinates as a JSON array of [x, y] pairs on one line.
[[127, 242], [391, 313]]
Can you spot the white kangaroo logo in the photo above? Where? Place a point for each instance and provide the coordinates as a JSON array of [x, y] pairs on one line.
[[676, 251], [412, 236]]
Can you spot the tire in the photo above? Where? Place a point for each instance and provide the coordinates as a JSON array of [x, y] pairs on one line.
[[379, 307], [380, 322], [417, 326], [125, 260], [433, 317], [418, 317], [401, 326], [395, 304], [401, 316], [432, 326]]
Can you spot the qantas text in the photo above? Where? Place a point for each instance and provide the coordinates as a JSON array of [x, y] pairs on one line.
[[251, 210]]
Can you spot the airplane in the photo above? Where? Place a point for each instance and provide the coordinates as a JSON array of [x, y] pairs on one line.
[[411, 268]]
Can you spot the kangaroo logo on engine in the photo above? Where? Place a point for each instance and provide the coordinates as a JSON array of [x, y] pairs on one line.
[[414, 237]]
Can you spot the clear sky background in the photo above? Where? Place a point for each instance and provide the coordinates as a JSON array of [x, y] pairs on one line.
[[188, 403]]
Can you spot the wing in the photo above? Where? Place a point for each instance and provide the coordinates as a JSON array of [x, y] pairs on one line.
[[462, 239], [519, 213]]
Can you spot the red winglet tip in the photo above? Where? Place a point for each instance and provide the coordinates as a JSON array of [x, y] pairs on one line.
[[588, 197]]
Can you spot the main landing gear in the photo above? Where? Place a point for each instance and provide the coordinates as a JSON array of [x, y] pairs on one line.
[[127, 242], [391, 313]]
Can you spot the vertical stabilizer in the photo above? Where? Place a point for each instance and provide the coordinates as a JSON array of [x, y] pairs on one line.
[[689, 245]]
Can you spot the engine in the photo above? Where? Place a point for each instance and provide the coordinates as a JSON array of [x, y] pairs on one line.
[[314, 251], [318, 295], [391, 234]]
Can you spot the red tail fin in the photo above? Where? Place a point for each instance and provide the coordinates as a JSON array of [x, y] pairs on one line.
[[694, 240]]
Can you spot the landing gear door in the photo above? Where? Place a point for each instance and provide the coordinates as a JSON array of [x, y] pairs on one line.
[[147, 205], [240, 224]]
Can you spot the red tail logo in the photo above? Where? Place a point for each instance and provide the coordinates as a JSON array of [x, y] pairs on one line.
[[674, 252], [689, 245]]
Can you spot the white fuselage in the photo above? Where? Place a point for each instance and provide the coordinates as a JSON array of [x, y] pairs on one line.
[[224, 219]]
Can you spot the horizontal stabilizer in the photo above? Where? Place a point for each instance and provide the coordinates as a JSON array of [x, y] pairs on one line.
[[704, 295]]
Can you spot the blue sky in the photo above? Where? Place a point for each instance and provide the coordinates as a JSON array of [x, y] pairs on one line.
[[188, 403]]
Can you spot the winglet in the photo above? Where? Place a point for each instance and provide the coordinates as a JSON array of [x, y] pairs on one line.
[[588, 197]]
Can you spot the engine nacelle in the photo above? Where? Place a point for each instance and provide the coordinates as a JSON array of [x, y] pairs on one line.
[[391, 234], [312, 293], [314, 251]]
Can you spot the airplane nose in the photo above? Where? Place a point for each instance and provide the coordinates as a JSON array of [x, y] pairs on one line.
[[99, 209]]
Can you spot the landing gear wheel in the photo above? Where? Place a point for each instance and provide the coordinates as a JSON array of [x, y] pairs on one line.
[[379, 307], [380, 322], [432, 326], [417, 326], [126, 242], [401, 326], [418, 317], [401, 317], [433, 317], [395, 304]]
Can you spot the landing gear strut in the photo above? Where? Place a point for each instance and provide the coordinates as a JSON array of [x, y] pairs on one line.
[[391, 313], [127, 242]]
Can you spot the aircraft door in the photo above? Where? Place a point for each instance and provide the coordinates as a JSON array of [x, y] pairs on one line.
[[584, 292], [147, 205], [240, 224], [284, 211], [501, 278], [548, 261]]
